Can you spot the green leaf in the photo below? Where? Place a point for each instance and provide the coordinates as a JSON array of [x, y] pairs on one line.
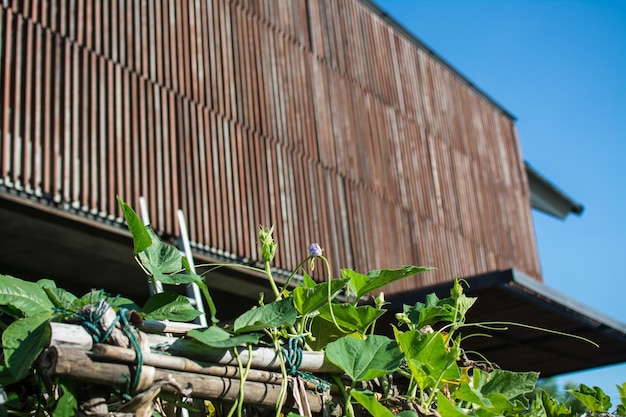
[[622, 393], [219, 338], [67, 405], [465, 392], [160, 258], [277, 314], [6, 377], [323, 332], [422, 315], [500, 403], [509, 384], [209, 300], [169, 306], [141, 237], [446, 408], [550, 406], [462, 303], [122, 302], [62, 298], [593, 398], [350, 317], [27, 297], [307, 281], [367, 399], [365, 359], [178, 279], [310, 299], [498, 392], [451, 309], [364, 284], [429, 358], [23, 341]]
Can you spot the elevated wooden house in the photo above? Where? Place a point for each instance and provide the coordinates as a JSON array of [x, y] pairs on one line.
[[324, 118]]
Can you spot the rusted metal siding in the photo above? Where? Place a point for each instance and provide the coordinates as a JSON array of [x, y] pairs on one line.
[[316, 116]]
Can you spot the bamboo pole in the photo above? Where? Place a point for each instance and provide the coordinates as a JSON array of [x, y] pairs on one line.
[[74, 336], [154, 326], [177, 363], [77, 364]]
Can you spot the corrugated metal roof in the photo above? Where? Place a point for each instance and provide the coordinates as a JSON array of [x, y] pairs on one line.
[[422, 45]]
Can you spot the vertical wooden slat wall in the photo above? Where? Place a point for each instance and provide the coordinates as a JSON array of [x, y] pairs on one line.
[[316, 116]]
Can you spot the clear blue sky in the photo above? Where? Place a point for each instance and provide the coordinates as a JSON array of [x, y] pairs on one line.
[[560, 68]]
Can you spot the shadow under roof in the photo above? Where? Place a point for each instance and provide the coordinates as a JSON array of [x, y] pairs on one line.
[[511, 296]]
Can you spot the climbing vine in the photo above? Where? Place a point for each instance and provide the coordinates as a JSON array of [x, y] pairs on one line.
[[421, 371]]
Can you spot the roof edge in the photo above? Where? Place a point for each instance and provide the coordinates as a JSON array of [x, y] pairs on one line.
[[405, 32], [539, 291], [526, 287], [548, 198]]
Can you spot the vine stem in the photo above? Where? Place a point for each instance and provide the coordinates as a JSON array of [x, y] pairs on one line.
[[349, 410], [283, 370], [213, 266], [268, 272], [293, 273], [330, 296]]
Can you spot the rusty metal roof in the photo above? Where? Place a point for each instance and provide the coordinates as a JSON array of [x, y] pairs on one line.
[[511, 296]]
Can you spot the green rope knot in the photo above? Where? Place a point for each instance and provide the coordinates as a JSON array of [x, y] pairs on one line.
[[91, 320], [293, 359]]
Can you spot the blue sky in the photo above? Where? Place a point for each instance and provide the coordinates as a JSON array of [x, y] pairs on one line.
[[560, 68]]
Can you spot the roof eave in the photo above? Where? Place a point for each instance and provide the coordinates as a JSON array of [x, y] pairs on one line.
[[548, 198]]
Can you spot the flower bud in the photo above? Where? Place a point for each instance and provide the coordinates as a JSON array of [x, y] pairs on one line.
[[315, 249], [268, 246], [403, 318]]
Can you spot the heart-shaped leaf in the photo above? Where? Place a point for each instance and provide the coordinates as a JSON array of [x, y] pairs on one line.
[[277, 314], [160, 258], [367, 359], [428, 357], [169, 306], [324, 332], [219, 338], [309, 300], [365, 284], [350, 317]]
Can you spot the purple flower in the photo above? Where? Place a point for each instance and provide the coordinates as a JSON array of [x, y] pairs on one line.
[[315, 249]]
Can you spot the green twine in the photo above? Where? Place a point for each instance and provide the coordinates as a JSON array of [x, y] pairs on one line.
[[91, 322], [293, 360], [131, 333]]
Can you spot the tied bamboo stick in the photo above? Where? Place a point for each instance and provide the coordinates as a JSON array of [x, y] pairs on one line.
[[177, 363], [74, 336], [155, 326], [82, 365]]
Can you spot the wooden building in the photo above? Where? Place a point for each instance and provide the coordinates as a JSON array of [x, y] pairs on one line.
[[323, 118]]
